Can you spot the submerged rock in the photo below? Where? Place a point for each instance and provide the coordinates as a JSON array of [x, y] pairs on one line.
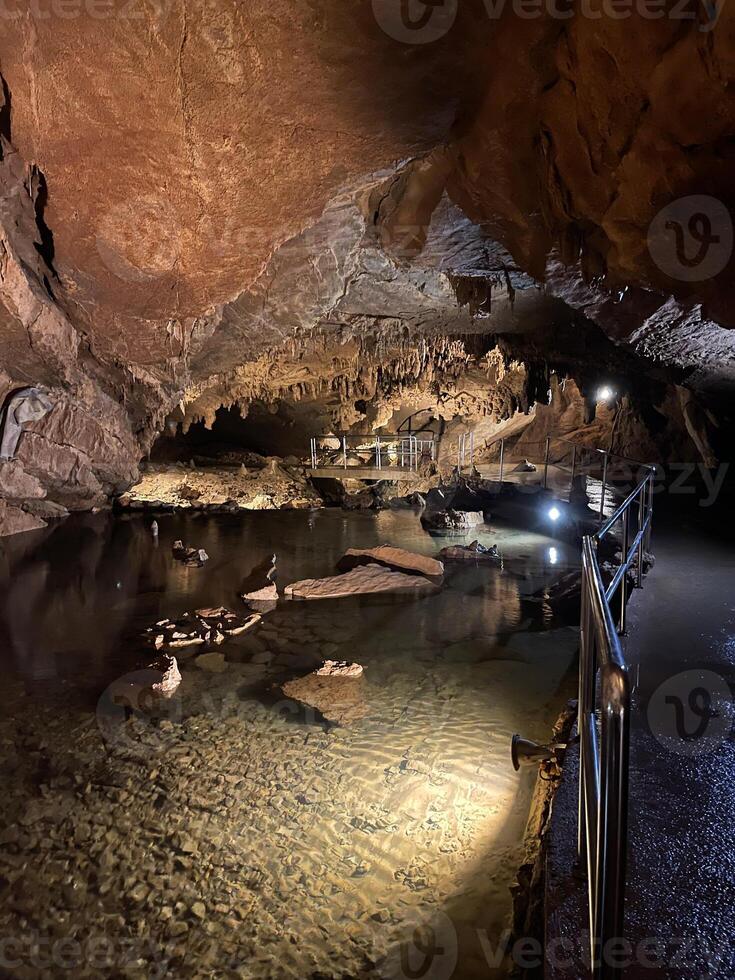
[[365, 580], [192, 557], [170, 675], [394, 558], [337, 691], [451, 520], [471, 552], [205, 626], [259, 586], [215, 663], [340, 668]]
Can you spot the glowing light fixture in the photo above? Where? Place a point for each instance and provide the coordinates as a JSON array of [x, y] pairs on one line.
[[553, 556], [554, 513], [605, 394]]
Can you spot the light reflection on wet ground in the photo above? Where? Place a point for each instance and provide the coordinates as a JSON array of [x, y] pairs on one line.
[[318, 843]]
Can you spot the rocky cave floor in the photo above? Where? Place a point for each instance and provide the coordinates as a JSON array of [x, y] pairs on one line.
[[243, 480], [233, 834]]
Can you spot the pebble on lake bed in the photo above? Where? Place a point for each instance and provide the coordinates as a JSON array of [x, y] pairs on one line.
[[215, 663], [340, 668]]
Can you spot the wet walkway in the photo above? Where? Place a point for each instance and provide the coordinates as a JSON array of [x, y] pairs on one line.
[[681, 650]]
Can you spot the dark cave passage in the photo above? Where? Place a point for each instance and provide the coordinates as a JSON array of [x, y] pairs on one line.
[[279, 429]]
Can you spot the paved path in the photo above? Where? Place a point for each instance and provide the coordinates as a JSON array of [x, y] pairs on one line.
[[681, 655], [680, 915]]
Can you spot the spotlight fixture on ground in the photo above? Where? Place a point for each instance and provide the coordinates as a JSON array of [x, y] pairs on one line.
[[525, 752], [554, 514], [605, 394]]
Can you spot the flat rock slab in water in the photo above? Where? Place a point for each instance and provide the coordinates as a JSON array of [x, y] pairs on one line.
[[339, 699], [365, 580], [394, 558]]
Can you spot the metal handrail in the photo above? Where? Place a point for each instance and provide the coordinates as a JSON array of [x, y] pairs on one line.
[[604, 691], [577, 450], [409, 449]]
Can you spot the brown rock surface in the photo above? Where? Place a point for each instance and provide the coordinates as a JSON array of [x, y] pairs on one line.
[[365, 580], [339, 699], [394, 558]]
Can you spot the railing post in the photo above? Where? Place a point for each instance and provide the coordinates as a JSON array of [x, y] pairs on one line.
[[574, 463], [472, 450], [624, 579], [344, 451], [613, 824], [641, 520], [584, 647], [650, 509], [604, 485], [377, 453], [546, 463], [502, 458]]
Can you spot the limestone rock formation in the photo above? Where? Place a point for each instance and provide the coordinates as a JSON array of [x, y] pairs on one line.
[[259, 586], [170, 676], [397, 559], [364, 580], [474, 552], [451, 520]]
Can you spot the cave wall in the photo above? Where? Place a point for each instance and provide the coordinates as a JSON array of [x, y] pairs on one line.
[[206, 205]]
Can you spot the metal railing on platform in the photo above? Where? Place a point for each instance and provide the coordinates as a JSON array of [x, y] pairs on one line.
[[384, 451], [575, 459], [604, 723]]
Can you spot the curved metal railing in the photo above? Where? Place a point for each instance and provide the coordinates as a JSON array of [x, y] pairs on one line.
[[604, 723]]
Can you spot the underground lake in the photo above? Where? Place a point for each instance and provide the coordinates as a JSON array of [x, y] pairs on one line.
[[234, 830]]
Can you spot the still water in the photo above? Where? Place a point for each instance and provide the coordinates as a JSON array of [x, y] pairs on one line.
[[239, 835]]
